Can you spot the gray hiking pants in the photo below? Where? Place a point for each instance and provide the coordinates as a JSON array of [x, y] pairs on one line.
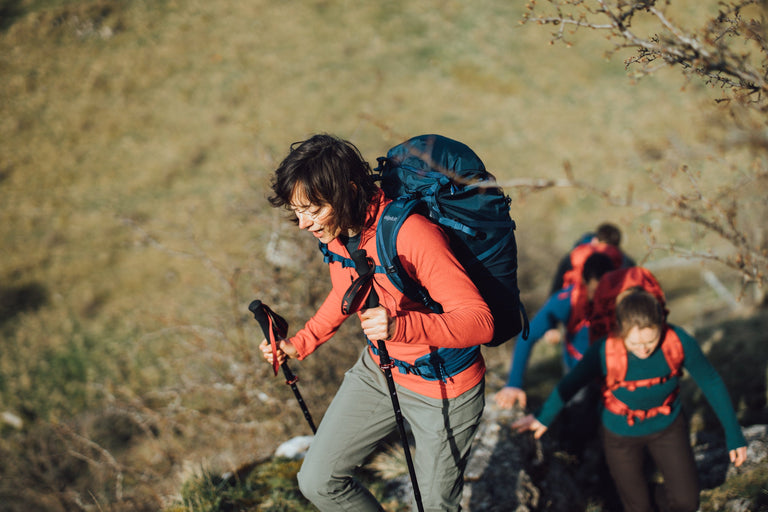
[[361, 414]]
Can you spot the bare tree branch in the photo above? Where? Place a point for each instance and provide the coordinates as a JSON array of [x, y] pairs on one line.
[[730, 50]]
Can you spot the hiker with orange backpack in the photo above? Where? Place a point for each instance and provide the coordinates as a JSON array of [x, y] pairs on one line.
[[570, 307], [605, 238], [639, 364], [328, 186]]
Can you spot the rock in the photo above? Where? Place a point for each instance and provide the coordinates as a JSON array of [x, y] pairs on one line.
[[11, 419], [294, 448]]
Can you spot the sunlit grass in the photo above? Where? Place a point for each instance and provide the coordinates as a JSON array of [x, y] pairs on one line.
[[136, 141]]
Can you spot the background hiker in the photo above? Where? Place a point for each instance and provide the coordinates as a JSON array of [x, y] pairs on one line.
[[569, 307], [648, 353], [606, 235], [327, 184]]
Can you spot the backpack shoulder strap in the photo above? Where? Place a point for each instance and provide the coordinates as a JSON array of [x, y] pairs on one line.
[[673, 353], [673, 350], [391, 221], [615, 361]]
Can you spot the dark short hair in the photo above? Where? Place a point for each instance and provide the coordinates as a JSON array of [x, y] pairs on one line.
[[609, 233], [638, 309], [331, 171], [597, 265]]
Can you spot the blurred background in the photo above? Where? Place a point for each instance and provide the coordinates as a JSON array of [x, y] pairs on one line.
[[137, 139]]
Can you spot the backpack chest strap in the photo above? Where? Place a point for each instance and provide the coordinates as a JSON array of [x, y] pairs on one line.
[[618, 407], [332, 257]]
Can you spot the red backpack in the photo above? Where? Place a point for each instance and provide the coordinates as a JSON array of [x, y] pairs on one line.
[[580, 308], [616, 366], [582, 252], [602, 319]]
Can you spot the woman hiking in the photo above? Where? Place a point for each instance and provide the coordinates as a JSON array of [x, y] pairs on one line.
[[328, 186], [640, 365]]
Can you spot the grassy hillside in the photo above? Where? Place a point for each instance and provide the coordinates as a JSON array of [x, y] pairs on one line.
[[136, 143]]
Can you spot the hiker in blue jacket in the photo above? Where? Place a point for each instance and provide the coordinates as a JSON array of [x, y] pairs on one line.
[[639, 366], [607, 233], [569, 307]]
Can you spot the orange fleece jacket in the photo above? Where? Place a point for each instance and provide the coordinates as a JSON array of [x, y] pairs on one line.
[[426, 256]]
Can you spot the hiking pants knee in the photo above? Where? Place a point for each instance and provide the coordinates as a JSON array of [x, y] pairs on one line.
[[361, 415], [671, 451]]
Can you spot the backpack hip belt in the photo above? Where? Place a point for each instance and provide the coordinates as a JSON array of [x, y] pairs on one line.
[[438, 365]]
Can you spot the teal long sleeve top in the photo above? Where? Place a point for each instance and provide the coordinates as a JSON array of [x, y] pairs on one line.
[[695, 362]]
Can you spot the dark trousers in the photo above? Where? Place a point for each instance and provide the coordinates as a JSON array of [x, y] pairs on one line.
[[670, 449]]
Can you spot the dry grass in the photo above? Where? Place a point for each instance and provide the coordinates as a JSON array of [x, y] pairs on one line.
[[136, 141]]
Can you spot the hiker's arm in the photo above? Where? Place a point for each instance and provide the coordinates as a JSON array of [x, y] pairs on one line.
[[530, 422], [553, 311], [582, 374], [713, 388], [466, 320], [320, 328], [508, 396], [553, 336], [738, 456]]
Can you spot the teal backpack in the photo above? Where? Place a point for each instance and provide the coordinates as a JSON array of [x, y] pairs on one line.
[[445, 181]]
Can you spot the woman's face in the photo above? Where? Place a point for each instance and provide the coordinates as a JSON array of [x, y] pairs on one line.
[[642, 341], [314, 218]]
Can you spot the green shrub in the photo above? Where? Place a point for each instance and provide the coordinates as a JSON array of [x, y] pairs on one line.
[[267, 486]]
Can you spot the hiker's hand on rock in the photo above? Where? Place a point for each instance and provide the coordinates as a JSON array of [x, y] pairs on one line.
[[530, 422], [553, 336], [285, 350], [508, 396], [377, 324], [738, 456]]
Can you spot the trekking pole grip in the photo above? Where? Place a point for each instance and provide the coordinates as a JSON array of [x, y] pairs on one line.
[[275, 330], [261, 315], [257, 308]]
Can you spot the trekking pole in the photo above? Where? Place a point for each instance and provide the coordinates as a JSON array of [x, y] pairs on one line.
[[363, 267], [276, 328]]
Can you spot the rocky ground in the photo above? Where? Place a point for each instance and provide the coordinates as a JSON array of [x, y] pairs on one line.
[[516, 473]]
